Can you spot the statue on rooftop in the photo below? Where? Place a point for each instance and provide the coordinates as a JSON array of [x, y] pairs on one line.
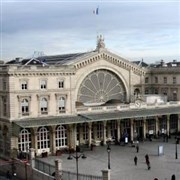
[[100, 42]]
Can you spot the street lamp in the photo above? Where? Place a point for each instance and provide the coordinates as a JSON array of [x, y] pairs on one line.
[[76, 156], [108, 151], [176, 153]]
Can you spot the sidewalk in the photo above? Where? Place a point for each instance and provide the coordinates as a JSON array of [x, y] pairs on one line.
[[122, 161]]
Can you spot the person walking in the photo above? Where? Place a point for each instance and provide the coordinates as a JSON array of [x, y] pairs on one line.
[[137, 148], [148, 164], [173, 177], [135, 160], [147, 158]]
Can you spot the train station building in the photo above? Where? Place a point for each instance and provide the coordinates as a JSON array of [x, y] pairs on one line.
[[55, 102]]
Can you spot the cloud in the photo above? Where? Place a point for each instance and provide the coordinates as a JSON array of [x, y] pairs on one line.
[[60, 27]]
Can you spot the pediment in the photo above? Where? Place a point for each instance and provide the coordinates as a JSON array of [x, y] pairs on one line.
[[94, 56]]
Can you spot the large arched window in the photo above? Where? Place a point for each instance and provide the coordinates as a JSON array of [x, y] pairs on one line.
[[43, 138], [25, 107], [61, 105], [24, 141], [61, 136], [44, 106], [100, 87]]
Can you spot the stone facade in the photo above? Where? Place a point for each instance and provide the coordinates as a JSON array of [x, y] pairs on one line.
[[48, 106]]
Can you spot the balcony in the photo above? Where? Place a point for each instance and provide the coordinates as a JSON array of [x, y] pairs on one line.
[[126, 107]]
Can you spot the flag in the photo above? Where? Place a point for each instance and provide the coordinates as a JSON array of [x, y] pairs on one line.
[[96, 11]]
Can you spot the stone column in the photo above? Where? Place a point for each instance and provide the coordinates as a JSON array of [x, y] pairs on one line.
[[168, 127], [104, 132], [72, 136], [34, 139], [144, 128], [89, 134], [157, 125], [53, 141], [80, 134], [106, 174], [118, 130], [58, 169], [132, 130], [32, 157], [178, 128]]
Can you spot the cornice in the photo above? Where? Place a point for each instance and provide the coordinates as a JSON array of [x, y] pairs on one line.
[[112, 58]]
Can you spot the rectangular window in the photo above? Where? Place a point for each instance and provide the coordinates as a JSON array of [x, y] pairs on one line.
[[146, 80], [174, 80], [156, 91], [61, 84], [24, 85], [156, 79], [165, 80], [4, 85], [43, 84], [4, 106]]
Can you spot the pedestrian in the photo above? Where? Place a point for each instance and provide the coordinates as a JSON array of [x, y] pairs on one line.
[[8, 176], [135, 160], [137, 148], [147, 157], [148, 164], [92, 146], [173, 177]]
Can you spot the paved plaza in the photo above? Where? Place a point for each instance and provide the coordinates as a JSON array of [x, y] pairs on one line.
[[122, 161]]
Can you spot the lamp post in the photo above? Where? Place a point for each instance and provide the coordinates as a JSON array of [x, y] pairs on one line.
[[109, 151], [176, 153], [76, 157]]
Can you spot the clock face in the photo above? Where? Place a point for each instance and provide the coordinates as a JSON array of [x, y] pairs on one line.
[[137, 103]]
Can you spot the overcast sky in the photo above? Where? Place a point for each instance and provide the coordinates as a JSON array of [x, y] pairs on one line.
[[132, 29]]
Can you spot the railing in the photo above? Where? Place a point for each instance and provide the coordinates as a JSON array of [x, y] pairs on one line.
[[66, 175], [121, 107], [44, 167]]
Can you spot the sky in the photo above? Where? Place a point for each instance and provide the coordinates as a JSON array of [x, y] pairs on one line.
[[135, 30]]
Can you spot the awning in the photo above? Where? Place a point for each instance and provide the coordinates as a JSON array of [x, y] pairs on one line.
[[91, 117], [49, 121], [135, 113]]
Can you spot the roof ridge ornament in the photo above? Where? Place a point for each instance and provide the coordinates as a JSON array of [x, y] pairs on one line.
[[100, 43]]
